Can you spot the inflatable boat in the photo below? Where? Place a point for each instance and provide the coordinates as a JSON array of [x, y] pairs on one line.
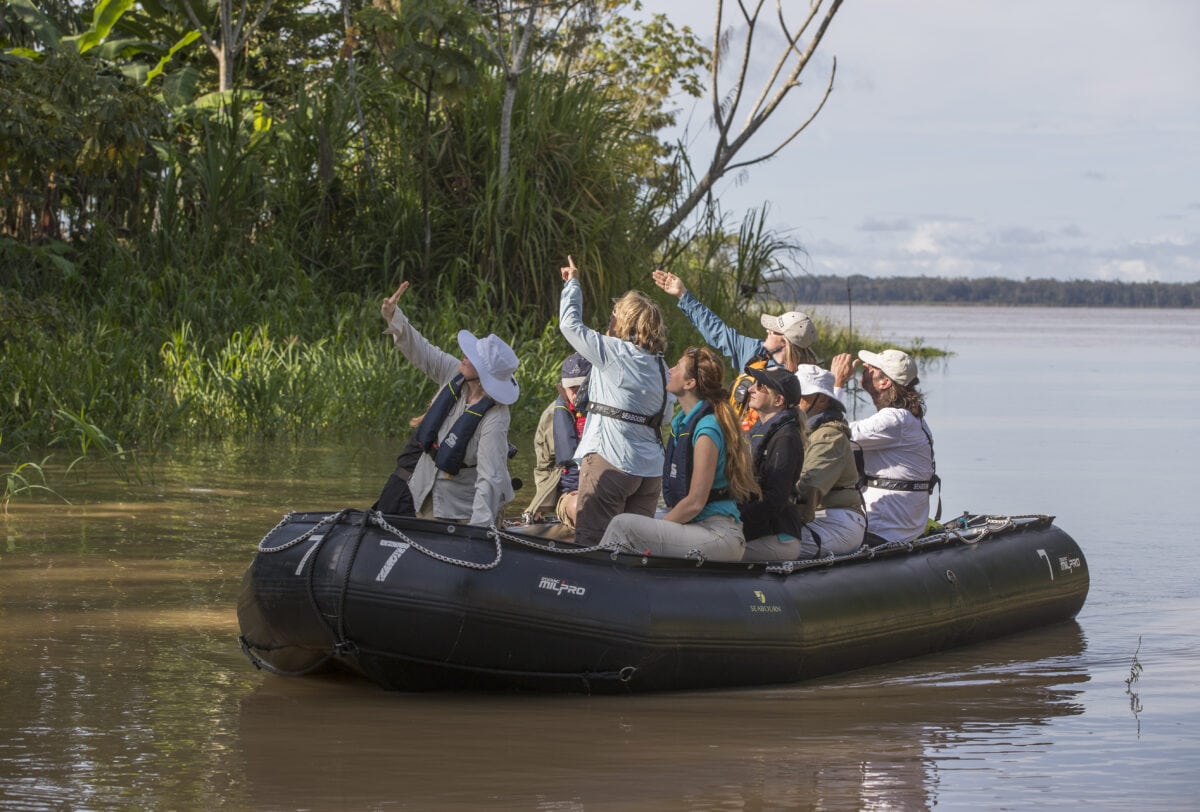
[[419, 605]]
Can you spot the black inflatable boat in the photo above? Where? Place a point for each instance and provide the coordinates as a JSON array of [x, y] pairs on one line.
[[419, 605]]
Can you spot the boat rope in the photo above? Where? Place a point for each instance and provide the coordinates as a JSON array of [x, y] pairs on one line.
[[622, 675], [341, 642], [551, 546], [332, 518], [376, 518], [959, 530], [249, 648]]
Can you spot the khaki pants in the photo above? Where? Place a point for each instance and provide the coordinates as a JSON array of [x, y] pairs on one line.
[[605, 492], [717, 538]]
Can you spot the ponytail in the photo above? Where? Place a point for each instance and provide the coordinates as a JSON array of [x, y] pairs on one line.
[[709, 372]]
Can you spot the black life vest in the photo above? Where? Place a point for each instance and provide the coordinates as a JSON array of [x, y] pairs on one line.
[[677, 466], [448, 453], [759, 443], [566, 440]]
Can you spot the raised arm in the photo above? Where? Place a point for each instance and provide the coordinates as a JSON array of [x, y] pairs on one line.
[[586, 341], [434, 362], [739, 349]]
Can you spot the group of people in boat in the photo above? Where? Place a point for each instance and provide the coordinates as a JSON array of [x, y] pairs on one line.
[[765, 467]]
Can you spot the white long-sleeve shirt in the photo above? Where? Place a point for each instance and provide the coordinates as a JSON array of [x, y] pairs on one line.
[[479, 491], [895, 445]]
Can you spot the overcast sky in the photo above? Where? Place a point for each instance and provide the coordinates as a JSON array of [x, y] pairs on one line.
[[1016, 138]]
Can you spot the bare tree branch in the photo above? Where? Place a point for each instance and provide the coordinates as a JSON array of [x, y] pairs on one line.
[[783, 57], [726, 150], [797, 131]]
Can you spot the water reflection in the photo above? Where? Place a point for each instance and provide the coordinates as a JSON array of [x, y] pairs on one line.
[[333, 741]]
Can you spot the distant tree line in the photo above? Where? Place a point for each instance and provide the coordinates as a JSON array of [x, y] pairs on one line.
[[987, 291]]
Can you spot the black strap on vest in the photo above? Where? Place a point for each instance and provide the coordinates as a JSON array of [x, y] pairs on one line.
[[654, 421], [914, 485]]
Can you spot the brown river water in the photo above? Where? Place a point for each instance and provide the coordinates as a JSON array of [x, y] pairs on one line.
[[122, 685]]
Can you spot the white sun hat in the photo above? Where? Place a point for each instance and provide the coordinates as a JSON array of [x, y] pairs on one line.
[[495, 362], [816, 381]]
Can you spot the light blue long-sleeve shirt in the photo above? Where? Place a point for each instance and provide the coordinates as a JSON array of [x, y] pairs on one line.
[[625, 377], [739, 349]]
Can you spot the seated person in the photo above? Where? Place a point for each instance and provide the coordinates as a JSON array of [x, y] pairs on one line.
[[706, 473], [896, 442], [462, 474], [773, 523], [555, 473], [828, 488]]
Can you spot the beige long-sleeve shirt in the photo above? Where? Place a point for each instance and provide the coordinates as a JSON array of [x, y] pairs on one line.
[[479, 491]]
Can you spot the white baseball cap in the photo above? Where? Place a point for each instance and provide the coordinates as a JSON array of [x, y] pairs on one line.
[[795, 326], [896, 364]]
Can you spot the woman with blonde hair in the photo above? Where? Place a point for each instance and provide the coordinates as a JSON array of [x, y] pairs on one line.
[[707, 472], [620, 453]]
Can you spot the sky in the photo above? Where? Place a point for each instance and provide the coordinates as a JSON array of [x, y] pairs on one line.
[[970, 138]]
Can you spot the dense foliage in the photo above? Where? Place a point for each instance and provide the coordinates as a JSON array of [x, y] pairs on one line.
[[200, 214]]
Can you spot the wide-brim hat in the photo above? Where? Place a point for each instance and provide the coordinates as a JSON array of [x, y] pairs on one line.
[[795, 326], [778, 379], [896, 364], [495, 362], [816, 381]]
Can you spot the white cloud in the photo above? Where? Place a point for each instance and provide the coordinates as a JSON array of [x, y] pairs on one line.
[[1019, 139], [1126, 270]]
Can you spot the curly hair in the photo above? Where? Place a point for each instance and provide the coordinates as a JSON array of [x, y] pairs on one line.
[[898, 396], [639, 320], [708, 369]]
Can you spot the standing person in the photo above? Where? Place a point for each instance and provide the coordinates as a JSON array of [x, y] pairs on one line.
[[462, 476], [706, 474], [620, 454], [896, 442], [555, 473], [773, 523], [788, 341]]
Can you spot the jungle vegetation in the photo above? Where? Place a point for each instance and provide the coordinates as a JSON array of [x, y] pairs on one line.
[[203, 203]]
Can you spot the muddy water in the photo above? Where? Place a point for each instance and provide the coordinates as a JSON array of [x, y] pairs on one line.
[[122, 686]]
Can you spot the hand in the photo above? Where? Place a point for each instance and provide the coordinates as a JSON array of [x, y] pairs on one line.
[[389, 304], [569, 271], [842, 366], [669, 282]]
